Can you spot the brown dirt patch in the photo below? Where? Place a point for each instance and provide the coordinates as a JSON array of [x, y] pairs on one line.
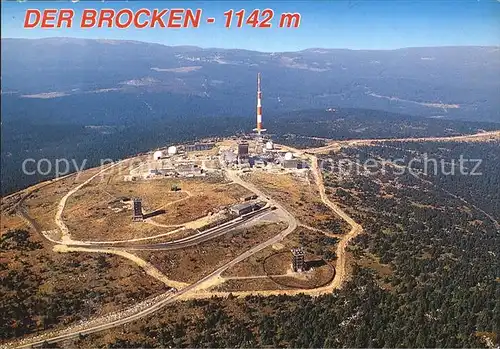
[[191, 264]]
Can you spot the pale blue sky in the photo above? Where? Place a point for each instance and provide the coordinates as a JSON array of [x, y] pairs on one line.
[[367, 24]]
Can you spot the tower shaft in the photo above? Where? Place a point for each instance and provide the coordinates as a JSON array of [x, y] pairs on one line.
[[259, 128]]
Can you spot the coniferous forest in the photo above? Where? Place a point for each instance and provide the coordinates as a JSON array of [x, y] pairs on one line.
[[424, 271]]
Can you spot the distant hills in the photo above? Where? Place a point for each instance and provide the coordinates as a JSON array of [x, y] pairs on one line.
[[97, 99], [111, 82]]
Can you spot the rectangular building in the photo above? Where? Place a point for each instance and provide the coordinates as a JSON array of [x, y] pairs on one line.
[[199, 146], [298, 263], [291, 164], [243, 150], [246, 207], [248, 197], [137, 213]]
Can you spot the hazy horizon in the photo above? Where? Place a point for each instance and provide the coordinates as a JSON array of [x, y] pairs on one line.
[[245, 49]]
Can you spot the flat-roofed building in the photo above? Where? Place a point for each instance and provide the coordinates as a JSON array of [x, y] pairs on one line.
[[246, 207], [188, 170], [199, 146], [248, 197], [291, 164]]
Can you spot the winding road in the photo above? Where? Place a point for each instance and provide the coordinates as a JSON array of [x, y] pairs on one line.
[[168, 297], [194, 290], [482, 136]]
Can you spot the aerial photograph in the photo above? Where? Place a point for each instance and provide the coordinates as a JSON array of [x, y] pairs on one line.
[[258, 174]]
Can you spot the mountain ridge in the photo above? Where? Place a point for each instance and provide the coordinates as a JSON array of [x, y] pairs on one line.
[[453, 82], [103, 40]]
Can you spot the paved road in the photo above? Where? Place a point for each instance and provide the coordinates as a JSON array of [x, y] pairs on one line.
[[473, 137], [292, 225], [65, 235], [191, 240], [340, 269], [356, 229]]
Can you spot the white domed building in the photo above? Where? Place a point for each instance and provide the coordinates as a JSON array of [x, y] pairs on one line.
[[157, 155], [288, 156], [172, 150]]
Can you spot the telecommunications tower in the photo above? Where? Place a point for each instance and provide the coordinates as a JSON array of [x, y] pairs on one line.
[[259, 128]]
